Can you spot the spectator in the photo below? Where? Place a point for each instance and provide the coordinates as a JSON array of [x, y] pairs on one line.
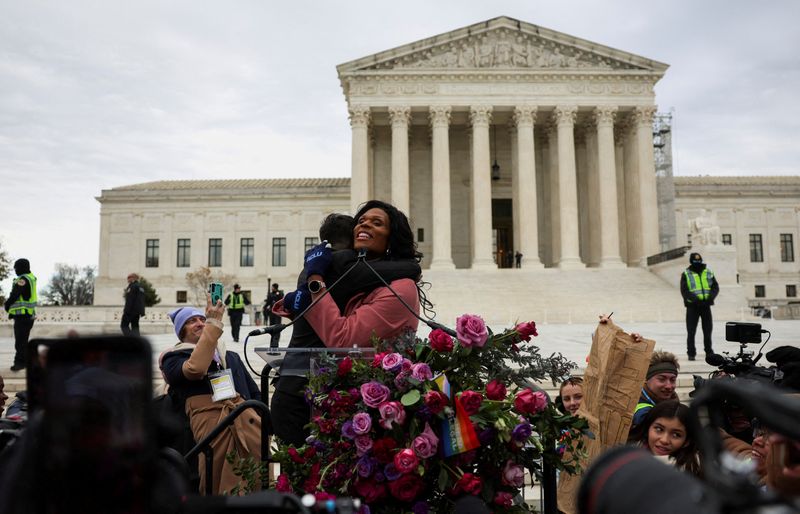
[[659, 386], [667, 433], [570, 394], [134, 306], [270, 317]]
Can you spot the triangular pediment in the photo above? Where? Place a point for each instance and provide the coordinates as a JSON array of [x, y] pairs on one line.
[[503, 44]]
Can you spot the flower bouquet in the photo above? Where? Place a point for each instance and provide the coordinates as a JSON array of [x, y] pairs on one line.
[[428, 421]]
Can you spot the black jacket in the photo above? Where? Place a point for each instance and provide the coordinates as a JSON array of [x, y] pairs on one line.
[[689, 300], [134, 299]]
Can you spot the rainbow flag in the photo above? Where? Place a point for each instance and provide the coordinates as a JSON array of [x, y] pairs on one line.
[[458, 433]]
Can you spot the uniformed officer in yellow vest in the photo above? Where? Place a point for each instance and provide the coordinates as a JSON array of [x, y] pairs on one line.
[[699, 288], [236, 302], [21, 307]]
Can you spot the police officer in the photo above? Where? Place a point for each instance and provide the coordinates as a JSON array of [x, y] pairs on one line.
[[236, 302], [699, 288], [21, 307]]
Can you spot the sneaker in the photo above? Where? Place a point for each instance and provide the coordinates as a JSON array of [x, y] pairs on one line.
[[17, 367], [691, 358]]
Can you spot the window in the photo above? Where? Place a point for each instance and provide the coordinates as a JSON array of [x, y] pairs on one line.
[[246, 252], [756, 250], [787, 248], [279, 251], [310, 242], [420, 235], [151, 256], [215, 252], [180, 296], [184, 250], [726, 239], [689, 239], [761, 292], [791, 291]]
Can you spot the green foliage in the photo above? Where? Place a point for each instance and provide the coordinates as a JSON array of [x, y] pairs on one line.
[[150, 295], [70, 285], [249, 470]]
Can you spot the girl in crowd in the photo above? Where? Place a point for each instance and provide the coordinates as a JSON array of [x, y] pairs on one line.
[[571, 394], [188, 368], [667, 433]]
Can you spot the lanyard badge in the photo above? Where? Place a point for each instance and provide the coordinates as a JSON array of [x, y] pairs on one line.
[[222, 385]]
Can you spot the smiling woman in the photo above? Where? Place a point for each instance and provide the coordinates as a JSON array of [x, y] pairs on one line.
[[667, 432]]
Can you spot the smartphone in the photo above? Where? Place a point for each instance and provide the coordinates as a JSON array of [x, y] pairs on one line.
[[96, 441], [215, 288]]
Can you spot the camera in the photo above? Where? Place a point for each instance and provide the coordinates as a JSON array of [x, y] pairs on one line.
[[743, 364], [746, 333]]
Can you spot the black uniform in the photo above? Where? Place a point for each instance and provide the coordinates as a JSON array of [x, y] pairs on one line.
[[235, 315], [697, 309], [270, 318], [133, 310], [23, 323]]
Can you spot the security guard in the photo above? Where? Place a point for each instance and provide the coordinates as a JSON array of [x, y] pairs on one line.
[[236, 302], [699, 288], [21, 307]]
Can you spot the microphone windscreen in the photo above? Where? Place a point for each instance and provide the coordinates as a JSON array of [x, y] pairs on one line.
[[715, 359]]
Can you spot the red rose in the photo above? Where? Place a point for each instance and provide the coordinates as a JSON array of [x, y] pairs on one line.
[[295, 456], [471, 401], [309, 452], [407, 487], [469, 484], [530, 402], [406, 461], [283, 485], [436, 401], [496, 390], [526, 330], [384, 449], [504, 499], [345, 365], [440, 341], [370, 490], [376, 361]]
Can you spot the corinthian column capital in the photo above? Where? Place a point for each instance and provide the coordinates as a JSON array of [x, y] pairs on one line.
[[604, 114], [480, 115], [644, 115], [400, 116], [359, 116], [525, 115], [439, 115], [565, 114]]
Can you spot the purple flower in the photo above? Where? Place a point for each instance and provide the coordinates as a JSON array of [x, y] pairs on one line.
[[487, 435], [365, 466], [392, 362], [471, 331], [391, 472], [420, 507], [421, 372], [379, 476], [426, 444], [424, 413], [521, 432], [362, 423], [348, 429], [401, 381], [374, 393], [363, 444]]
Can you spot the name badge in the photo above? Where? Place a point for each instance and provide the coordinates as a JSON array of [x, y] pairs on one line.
[[222, 385]]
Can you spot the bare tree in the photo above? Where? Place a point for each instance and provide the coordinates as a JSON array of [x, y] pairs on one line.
[[70, 285], [5, 267], [200, 279]]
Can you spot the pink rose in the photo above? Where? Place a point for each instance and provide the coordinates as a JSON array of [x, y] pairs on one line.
[[406, 366], [496, 390], [391, 412], [471, 331], [421, 372], [440, 341], [374, 393], [471, 401], [513, 475], [436, 401], [392, 362], [363, 444], [526, 330], [406, 461], [530, 402], [426, 444], [362, 423]]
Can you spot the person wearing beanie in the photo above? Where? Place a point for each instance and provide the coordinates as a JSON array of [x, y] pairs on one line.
[[21, 307], [659, 386], [210, 382], [699, 288]]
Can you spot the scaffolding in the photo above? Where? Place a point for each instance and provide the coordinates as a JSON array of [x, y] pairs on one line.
[[665, 186]]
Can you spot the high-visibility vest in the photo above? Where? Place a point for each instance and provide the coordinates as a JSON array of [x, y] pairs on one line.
[[236, 301], [25, 305], [698, 284]]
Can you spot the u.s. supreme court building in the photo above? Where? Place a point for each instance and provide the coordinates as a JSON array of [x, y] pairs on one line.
[[496, 138]]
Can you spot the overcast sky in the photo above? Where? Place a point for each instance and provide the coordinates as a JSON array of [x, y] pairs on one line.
[[99, 94]]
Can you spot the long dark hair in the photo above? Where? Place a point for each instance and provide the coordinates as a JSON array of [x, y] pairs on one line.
[[686, 458], [401, 238]]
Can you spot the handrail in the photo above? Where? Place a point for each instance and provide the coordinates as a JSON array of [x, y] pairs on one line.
[[204, 444], [669, 255]]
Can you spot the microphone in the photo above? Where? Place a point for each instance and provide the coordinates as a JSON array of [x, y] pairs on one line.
[[715, 359], [272, 329]]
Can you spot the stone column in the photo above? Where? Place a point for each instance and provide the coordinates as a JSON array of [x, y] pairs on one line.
[[619, 161], [643, 117], [360, 190], [442, 239], [400, 118], [524, 188], [567, 188], [607, 192], [480, 116], [555, 213]]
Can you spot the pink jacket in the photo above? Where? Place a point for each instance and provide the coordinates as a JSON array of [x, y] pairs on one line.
[[378, 313]]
